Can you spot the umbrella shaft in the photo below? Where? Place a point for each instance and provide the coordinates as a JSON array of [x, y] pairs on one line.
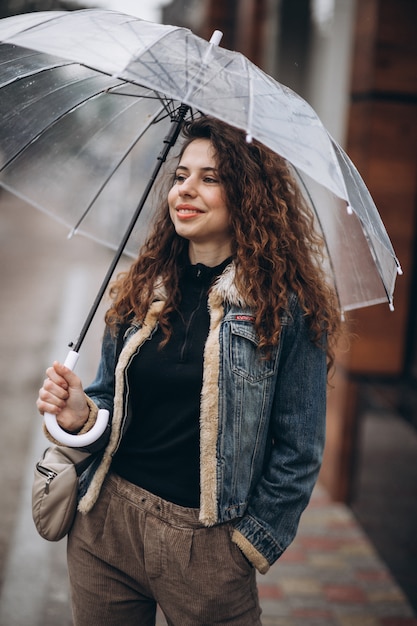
[[169, 141]]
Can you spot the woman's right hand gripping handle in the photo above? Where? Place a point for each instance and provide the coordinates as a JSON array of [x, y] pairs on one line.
[[63, 404]]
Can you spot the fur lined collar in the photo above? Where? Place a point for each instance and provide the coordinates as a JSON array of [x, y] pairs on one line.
[[223, 290]]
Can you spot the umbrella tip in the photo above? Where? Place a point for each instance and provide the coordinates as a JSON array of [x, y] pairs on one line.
[[349, 209], [399, 270], [216, 37], [391, 305], [249, 137], [71, 233]]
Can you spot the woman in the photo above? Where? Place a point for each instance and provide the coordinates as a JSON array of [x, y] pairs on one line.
[[214, 367]]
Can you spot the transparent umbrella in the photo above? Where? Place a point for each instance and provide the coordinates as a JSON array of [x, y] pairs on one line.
[[91, 102]]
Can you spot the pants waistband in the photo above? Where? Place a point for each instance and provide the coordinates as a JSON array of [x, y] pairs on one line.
[[153, 504]]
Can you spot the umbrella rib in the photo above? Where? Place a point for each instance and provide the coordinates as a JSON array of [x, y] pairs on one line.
[[109, 176], [157, 96], [56, 65], [329, 258], [168, 104], [250, 105]]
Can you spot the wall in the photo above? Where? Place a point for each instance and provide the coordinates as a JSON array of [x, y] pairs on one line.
[[382, 141]]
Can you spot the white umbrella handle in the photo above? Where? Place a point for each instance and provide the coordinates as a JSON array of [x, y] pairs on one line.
[[76, 441]]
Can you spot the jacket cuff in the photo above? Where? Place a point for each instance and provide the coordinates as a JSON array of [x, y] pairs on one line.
[[257, 542], [250, 552], [91, 420], [92, 416]]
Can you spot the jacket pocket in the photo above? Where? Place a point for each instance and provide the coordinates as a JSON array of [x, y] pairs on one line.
[[247, 360]]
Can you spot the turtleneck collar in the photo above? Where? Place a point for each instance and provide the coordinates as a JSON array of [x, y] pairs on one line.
[[203, 273]]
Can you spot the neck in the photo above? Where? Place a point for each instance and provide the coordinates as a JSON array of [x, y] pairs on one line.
[[211, 257]]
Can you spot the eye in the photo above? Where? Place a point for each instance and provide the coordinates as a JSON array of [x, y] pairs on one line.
[[210, 180], [179, 178]]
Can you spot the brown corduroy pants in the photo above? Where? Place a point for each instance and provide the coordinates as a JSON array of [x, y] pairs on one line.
[[135, 550]]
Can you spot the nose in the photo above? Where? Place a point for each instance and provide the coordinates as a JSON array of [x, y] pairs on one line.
[[187, 187]]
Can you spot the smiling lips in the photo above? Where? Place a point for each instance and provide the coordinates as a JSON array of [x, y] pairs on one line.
[[186, 211]]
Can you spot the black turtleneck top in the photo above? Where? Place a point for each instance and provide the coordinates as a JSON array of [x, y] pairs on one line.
[[161, 449]]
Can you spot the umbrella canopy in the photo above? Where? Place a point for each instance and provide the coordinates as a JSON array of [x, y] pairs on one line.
[[87, 98]]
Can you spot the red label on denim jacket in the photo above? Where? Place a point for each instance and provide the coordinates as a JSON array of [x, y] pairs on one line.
[[245, 318]]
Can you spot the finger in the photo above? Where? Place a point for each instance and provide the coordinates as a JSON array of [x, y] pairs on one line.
[[71, 379], [46, 407], [52, 398], [55, 389], [54, 376]]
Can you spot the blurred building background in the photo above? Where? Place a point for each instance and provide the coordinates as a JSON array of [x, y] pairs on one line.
[[355, 61], [14, 7]]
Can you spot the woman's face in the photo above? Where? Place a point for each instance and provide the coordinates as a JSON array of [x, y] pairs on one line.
[[197, 203]]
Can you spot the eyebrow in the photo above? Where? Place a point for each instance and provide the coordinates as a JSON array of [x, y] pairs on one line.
[[202, 169]]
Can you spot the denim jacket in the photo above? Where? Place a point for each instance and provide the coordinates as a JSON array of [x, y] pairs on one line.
[[262, 422]]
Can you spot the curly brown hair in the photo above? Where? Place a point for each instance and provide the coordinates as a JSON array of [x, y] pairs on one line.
[[275, 246]]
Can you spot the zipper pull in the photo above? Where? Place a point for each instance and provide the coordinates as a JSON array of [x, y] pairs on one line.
[[50, 477], [49, 474]]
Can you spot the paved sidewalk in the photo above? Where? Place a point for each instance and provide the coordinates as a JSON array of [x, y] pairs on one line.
[[331, 576]]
